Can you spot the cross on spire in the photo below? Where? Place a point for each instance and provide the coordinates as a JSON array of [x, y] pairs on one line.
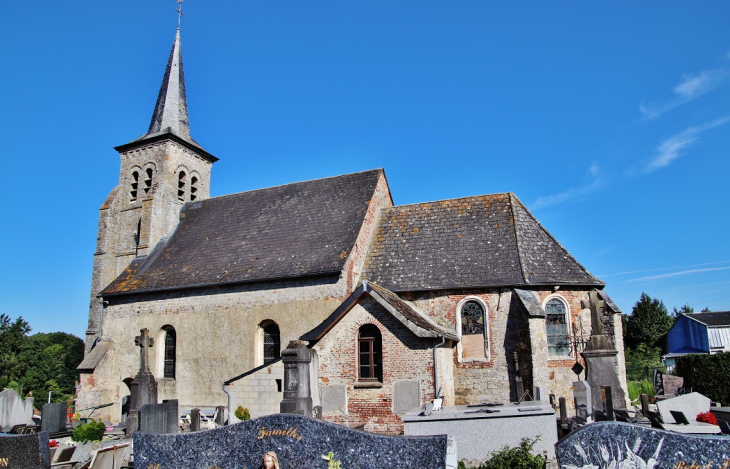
[[179, 12], [144, 342]]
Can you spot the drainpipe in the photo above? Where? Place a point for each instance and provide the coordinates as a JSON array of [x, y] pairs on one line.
[[435, 369], [223, 386]]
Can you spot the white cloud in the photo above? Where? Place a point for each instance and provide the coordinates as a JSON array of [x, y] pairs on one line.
[[676, 274], [671, 148], [573, 193], [691, 87]]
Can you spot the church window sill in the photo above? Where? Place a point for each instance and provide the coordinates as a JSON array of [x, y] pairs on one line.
[[368, 385]]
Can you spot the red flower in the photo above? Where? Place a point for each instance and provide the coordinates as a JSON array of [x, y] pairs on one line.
[[52, 444], [707, 417]]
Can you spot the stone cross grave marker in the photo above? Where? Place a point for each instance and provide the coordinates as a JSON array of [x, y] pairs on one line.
[[144, 342]]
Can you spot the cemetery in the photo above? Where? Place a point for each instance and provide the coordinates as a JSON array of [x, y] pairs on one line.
[[602, 433]]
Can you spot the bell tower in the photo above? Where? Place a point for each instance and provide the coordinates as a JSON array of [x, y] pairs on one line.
[[159, 172]]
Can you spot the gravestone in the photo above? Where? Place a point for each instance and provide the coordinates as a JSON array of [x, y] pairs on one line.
[[600, 356], [143, 389], [14, 410], [583, 399], [25, 451], [159, 418], [406, 396], [672, 384], [618, 444], [194, 420], [53, 417], [658, 383], [690, 404], [334, 399], [298, 441], [297, 390], [220, 415]]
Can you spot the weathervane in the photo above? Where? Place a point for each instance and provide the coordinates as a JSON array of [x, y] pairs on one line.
[[179, 12]]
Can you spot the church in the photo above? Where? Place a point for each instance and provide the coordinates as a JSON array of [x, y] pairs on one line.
[[469, 299]]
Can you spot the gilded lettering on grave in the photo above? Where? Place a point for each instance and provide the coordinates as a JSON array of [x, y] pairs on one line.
[[291, 432], [694, 465], [4, 462]]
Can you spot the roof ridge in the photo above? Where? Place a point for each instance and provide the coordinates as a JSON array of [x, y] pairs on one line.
[[553, 239], [447, 200], [294, 183]]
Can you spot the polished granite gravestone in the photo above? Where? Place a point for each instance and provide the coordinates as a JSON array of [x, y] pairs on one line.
[[616, 444], [25, 451], [298, 441]]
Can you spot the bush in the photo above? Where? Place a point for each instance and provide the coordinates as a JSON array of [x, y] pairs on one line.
[[92, 431], [637, 388], [706, 374], [519, 457], [242, 413]]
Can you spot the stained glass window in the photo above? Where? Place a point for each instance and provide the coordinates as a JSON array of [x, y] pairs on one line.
[[556, 319], [272, 343], [170, 344], [474, 340]]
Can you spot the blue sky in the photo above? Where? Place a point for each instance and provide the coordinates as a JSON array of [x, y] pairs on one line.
[[610, 121]]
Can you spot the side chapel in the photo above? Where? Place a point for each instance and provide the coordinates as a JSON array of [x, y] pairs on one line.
[[469, 296]]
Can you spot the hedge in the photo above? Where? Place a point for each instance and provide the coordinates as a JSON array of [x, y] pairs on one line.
[[706, 374]]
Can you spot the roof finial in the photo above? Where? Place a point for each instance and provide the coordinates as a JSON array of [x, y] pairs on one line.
[[179, 12]]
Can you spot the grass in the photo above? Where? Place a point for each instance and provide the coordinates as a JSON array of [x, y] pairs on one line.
[[637, 388]]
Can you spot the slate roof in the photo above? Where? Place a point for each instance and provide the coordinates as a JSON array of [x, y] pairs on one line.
[[170, 117], [719, 318], [482, 241], [295, 230], [416, 321]]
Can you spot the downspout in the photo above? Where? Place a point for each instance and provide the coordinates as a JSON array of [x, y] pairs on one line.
[[223, 386], [435, 369]]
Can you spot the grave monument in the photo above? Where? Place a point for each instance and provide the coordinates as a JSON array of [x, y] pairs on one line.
[[297, 390], [14, 410], [600, 356], [144, 387]]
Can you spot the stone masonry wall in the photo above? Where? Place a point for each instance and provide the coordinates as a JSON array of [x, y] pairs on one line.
[[260, 392], [216, 336], [405, 357]]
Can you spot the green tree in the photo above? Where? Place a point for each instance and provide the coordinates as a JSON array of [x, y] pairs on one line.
[[648, 323], [686, 309], [640, 362]]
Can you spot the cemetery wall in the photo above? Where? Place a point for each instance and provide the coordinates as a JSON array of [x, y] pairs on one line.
[[406, 358], [260, 392]]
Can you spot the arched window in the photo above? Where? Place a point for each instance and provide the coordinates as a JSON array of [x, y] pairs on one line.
[[193, 188], [181, 185], [556, 320], [170, 352], [474, 331], [370, 353], [272, 342], [148, 180], [135, 184]]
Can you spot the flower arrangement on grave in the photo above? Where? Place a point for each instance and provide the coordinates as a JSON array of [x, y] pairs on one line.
[[242, 413], [707, 417], [332, 463]]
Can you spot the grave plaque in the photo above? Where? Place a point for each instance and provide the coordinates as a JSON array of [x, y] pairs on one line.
[[25, 451], [159, 418], [618, 444], [583, 399], [298, 441], [672, 384], [53, 418]]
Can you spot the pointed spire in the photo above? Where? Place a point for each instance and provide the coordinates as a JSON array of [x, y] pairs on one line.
[[171, 110]]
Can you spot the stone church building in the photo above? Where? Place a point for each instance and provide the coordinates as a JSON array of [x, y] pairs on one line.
[[470, 296]]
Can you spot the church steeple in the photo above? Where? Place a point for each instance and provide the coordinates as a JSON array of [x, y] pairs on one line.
[[171, 110]]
